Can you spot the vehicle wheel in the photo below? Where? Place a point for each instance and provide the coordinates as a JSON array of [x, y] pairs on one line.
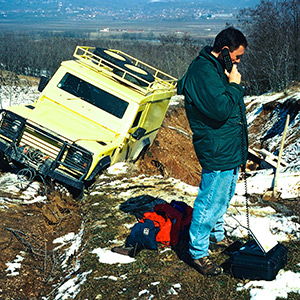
[[125, 64], [139, 72], [113, 57], [4, 163], [76, 193]]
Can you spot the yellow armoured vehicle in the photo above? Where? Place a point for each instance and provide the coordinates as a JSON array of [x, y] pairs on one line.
[[102, 107]]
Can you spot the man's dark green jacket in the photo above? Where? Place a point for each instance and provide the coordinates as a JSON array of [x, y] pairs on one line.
[[216, 113]]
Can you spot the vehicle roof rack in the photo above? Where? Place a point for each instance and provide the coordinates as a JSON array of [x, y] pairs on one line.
[[121, 72]]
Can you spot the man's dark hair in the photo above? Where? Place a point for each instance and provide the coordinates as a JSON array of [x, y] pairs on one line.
[[230, 37]]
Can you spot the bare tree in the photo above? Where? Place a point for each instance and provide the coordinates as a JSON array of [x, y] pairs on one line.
[[272, 28], [11, 86]]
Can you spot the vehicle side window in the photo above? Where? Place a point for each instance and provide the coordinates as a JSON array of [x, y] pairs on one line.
[[93, 95], [137, 119]]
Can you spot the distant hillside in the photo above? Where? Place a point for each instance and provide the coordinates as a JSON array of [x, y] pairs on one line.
[[120, 9], [48, 4]]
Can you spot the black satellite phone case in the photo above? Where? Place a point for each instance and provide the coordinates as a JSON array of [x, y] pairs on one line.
[[227, 59]]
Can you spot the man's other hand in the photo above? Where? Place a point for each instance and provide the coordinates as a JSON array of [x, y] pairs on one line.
[[234, 76]]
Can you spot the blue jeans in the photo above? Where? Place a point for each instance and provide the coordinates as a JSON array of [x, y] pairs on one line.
[[215, 192]]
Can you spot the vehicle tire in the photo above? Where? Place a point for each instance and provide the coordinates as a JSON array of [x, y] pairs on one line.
[[4, 164], [113, 57], [139, 72], [125, 64], [77, 193]]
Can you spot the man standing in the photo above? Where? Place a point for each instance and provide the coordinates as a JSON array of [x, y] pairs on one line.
[[216, 113]]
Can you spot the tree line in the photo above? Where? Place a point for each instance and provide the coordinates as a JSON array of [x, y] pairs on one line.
[[28, 55], [270, 63], [272, 58]]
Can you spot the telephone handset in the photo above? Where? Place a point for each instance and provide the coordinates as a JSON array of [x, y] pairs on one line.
[[227, 59]]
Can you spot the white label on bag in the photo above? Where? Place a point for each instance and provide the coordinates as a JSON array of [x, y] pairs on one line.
[[146, 231]]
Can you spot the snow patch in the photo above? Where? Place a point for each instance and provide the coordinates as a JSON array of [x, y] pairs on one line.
[[72, 239], [20, 190], [13, 266], [118, 168], [106, 256], [284, 283], [71, 287]]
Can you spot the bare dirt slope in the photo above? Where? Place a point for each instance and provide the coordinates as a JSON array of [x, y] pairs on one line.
[[172, 153]]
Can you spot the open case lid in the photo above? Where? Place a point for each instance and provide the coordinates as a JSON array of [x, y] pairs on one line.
[[264, 239]]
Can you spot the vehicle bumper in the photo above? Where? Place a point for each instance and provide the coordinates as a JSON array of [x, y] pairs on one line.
[[46, 169], [47, 153]]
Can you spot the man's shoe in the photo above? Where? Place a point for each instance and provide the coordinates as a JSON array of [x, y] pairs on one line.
[[217, 247], [206, 266]]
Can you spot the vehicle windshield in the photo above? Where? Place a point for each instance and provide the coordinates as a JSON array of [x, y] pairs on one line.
[[93, 95]]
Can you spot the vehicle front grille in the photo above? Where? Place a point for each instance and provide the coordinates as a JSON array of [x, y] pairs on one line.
[[49, 147]]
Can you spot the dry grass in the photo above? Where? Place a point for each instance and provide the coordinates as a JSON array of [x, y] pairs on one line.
[[156, 272]]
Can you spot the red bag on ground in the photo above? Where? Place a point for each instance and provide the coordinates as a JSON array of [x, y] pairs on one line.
[[175, 216], [165, 225]]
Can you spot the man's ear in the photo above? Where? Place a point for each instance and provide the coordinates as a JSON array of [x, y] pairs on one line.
[[226, 47]]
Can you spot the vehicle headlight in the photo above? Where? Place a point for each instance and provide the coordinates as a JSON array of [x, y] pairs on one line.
[[77, 157], [11, 125], [16, 124]]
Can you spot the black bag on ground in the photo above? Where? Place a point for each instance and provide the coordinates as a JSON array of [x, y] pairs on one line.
[[250, 262], [143, 235]]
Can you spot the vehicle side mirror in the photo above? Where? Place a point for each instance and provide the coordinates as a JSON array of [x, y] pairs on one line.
[[139, 133], [43, 82]]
